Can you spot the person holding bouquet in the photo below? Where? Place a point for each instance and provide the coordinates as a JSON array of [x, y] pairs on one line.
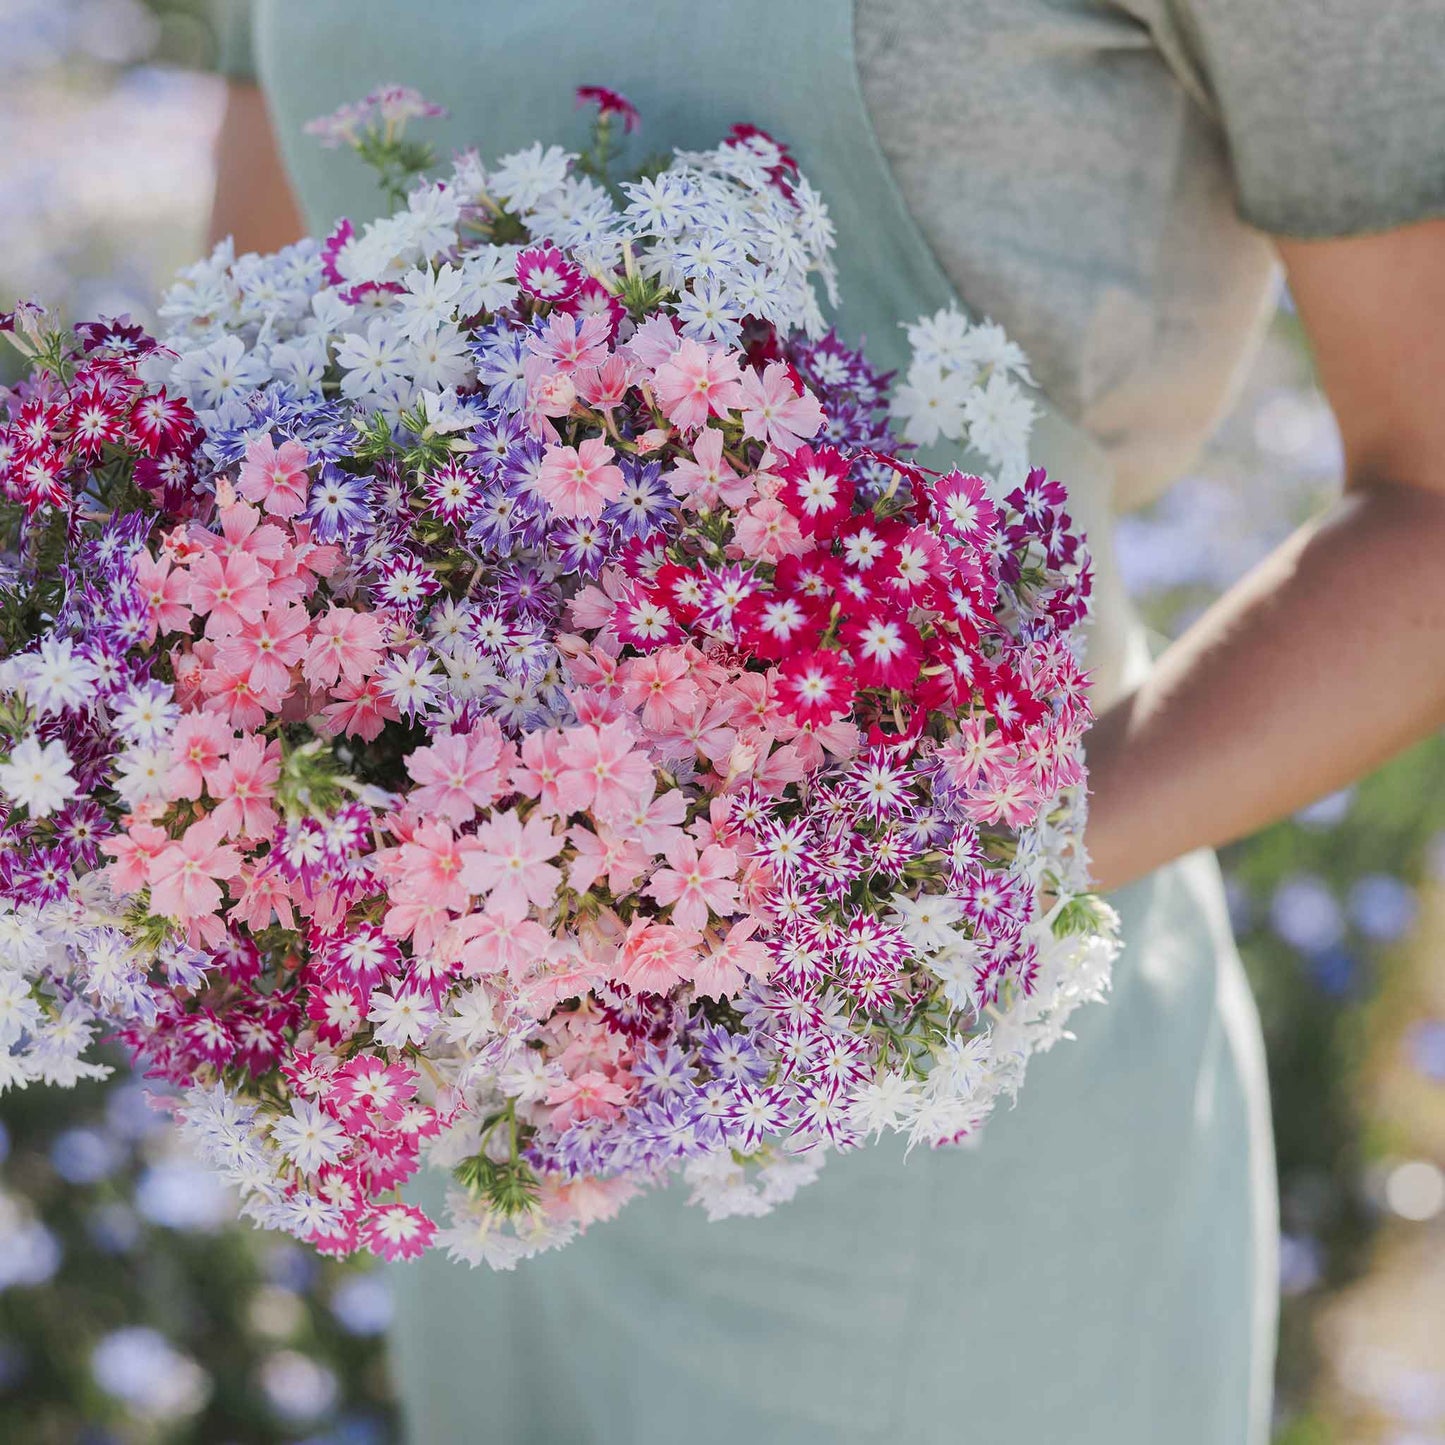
[[1117, 184]]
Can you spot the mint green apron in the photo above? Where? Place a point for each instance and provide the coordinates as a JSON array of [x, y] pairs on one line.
[[1100, 1271]]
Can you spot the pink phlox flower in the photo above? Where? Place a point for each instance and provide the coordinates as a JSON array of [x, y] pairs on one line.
[[165, 590], [777, 409], [654, 341], [361, 709], [660, 687], [561, 974], [243, 783], [184, 876], [606, 385], [656, 957], [603, 771], [697, 382], [707, 478], [344, 643], [266, 650], [426, 874], [567, 345], [275, 476], [133, 852], [264, 895], [243, 532], [579, 481], [538, 773], [725, 970], [657, 823], [620, 859], [591, 1095], [695, 883], [767, 531], [494, 942], [199, 742], [510, 862], [237, 699], [457, 773], [228, 592]]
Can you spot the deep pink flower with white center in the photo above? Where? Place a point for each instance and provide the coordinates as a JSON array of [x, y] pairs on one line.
[[886, 650], [460, 772], [243, 783], [707, 478], [695, 883], [228, 592], [183, 877], [165, 591], [697, 382], [778, 409], [660, 687], [767, 531], [816, 488], [656, 957], [621, 859], [544, 272], [197, 745], [815, 687], [567, 345], [369, 1085], [579, 481], [963, 507], [275, 478], [344, 643], [266, 650], [776, 627], [335, 1011], [398, 1231], [602, 771], [511, 863], [1004, 795], [919, 566], [644, 620]]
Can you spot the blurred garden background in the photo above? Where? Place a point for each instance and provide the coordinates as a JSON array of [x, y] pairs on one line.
[[132, 1312]]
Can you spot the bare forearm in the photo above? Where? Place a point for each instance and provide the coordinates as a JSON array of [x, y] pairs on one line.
[[253, 200], [1325, 661]]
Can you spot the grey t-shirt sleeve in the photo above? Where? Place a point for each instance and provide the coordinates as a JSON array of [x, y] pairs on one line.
[[230, 22], [1333, 111]]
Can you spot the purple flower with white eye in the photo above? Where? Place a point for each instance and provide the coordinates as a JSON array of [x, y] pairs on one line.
[[339, 504], [81, 826], [524, 588], [646, 503], [663, 1073], [500, 357], [732, 1056], [497, 440], [581, 545]]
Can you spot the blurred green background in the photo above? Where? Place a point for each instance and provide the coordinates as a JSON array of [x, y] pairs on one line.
[[132, 1312]]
